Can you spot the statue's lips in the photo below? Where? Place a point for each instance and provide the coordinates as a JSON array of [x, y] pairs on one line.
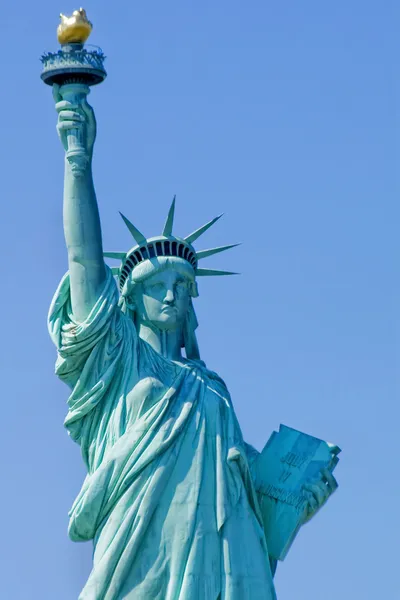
[[168, 309]]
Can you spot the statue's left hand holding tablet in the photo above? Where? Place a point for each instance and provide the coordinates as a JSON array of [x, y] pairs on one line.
[[317, 492]]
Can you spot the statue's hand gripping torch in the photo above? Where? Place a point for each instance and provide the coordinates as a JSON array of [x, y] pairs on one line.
[[76, 125]]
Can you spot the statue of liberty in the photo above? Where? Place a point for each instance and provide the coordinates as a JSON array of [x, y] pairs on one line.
[[169, 498]]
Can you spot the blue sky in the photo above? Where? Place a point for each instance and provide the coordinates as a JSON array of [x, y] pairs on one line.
[[283, 116]]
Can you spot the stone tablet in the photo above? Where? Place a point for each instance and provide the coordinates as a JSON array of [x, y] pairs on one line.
[[289, 459]]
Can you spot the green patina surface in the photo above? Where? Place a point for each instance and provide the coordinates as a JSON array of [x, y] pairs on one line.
[[170, 499]]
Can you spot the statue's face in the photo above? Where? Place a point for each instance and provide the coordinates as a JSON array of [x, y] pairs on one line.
[[163, 300]]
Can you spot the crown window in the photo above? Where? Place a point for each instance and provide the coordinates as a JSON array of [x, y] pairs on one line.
[[144, 252]]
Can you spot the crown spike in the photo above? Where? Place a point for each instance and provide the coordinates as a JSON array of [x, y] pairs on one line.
[[117, 255], [136, 234], [196, 234], [170, 219], [211, 251], [212, 273]]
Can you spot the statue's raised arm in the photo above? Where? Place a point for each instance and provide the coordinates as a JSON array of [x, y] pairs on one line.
[[81, 215]]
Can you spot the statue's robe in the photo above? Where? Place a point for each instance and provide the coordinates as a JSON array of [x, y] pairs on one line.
[[168, 499]]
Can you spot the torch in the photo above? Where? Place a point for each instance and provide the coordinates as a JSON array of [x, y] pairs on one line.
[[74, 68]]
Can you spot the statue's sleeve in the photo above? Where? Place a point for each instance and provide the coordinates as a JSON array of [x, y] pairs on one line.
[[76, 341], [252, 454]]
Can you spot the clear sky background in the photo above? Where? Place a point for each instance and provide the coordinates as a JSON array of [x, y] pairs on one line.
[[282, 115]]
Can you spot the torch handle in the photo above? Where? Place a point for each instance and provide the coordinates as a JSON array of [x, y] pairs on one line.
[[77, 154]]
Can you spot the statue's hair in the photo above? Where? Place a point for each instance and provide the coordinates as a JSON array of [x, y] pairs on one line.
[[156, 265]]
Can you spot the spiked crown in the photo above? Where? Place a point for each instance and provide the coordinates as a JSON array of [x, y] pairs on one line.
[[166, 245]]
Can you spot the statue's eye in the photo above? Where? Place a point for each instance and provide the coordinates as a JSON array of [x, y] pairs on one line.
[[156, 286]]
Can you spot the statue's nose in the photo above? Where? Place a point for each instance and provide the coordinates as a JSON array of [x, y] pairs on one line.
[[169, 297]]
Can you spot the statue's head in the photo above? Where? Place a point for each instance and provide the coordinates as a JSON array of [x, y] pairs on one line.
[[160, 293], [157, 280]]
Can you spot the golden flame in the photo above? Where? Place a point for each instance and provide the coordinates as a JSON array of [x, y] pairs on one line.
[[74, 29]]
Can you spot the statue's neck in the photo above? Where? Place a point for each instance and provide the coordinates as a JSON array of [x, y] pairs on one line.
[[166, 343]]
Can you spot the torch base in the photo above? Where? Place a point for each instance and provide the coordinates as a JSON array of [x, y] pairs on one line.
[[73, 64]]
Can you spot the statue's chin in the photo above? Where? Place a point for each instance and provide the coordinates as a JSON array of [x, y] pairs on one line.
[[166, 326], [166, 322]]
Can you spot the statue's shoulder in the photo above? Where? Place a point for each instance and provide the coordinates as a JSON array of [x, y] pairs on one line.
[[211, 376]]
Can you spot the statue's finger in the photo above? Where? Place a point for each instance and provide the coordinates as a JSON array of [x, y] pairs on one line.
[[70, 115], [323, 492], [311, 490], [329, 479], [312, 503], [67, 125], [65, 105], [320, 492]]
